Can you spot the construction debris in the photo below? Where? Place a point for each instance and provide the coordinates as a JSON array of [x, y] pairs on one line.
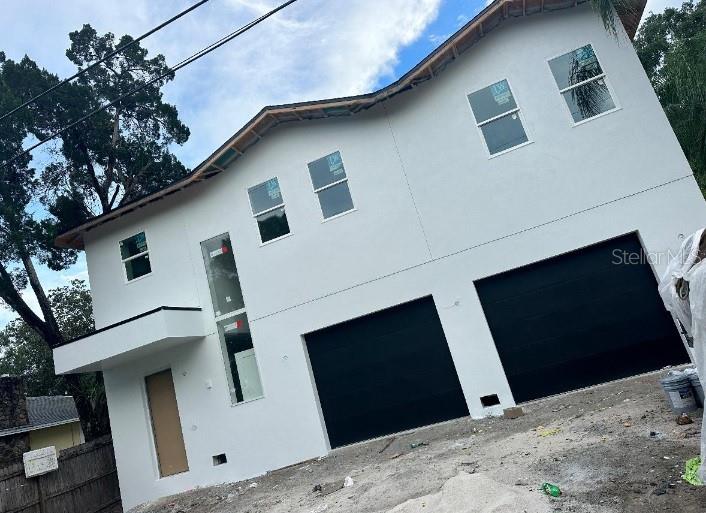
[[513, 412], [387, 444], [691, 472], [684, 419], [543, 432], [476, 493], [329, 488], [550, 489]]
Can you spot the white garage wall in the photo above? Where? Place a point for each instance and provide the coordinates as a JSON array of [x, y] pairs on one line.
[[573, 186]]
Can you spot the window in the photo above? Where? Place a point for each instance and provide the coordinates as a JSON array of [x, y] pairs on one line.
[[222, 275], [135, 256], [236, 342], [328, 176], [268, 209], [582, 83], [498, 117], [231, 319]]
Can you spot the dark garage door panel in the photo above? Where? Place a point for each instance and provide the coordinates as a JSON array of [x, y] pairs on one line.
[[579, 319], [385, 372]]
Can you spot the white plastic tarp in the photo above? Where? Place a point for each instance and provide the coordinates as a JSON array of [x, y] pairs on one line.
[[687, 301]]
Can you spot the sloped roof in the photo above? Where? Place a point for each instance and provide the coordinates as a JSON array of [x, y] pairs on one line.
[[46, 411], [254, 130]]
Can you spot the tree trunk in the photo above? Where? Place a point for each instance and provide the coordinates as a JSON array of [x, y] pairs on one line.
[[92, 407], [42, 299], [15, 301]]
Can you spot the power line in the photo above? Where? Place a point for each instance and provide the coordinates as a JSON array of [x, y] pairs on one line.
[[109, 56], [180, 65]]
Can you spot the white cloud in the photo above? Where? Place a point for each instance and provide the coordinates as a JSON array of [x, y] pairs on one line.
[[313, 49], [437, 39]]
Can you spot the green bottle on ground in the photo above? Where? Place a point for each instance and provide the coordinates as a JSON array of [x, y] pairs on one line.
[[551, 489]]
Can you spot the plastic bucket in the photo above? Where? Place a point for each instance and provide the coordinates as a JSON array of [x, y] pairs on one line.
[[698, 389], [680, 393]]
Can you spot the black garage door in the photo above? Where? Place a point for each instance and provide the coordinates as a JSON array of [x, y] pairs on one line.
[[579, 319], [385, 372]]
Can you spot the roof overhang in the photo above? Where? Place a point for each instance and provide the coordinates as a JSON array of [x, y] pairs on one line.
[[269, 117], [36, 427], [131, 339]]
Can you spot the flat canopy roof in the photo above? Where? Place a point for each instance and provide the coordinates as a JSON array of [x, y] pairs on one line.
[[130, 339], [269, 117]]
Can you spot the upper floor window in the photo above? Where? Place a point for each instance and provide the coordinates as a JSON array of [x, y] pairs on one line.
[[268, 209], [222, 275], [328, 176], [498, 117], [135, 256], [582, 83]]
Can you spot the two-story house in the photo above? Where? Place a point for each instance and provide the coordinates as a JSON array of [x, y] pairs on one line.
[[485, 231]]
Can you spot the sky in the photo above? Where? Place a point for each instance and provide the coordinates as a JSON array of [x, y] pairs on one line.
[[311, 50]]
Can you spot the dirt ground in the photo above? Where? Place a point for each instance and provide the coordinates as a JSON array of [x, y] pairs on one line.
[[612, 448]]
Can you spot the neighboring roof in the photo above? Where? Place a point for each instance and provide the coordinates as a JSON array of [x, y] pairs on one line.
[[269, 117], [46, 411]]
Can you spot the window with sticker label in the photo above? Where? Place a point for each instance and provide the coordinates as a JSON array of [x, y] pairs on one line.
[[231, 319], [268, 210], [328, 176], [498, 117], [582, 83]]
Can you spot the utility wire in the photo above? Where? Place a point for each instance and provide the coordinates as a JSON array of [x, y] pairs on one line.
[[109, 56], [180, 65]]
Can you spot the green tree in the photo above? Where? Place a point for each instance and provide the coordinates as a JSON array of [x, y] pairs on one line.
[[672, 49], [112, 158], [26, 354], [611, 10]]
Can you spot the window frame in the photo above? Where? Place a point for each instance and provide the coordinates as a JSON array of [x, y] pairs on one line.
[[517, 110], [601, 76], [328, 186], [226, 360], [268, 210], [124, 260], [221, 342]]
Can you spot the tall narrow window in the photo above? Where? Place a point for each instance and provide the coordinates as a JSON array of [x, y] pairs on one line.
[[135, 256], [328, 176], [498, 117], [268, 210], [232, 320], [582, 83]]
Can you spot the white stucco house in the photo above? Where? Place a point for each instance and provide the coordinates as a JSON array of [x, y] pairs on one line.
[[485, 231]]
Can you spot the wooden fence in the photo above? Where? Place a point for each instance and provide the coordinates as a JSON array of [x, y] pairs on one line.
[[86, 482]]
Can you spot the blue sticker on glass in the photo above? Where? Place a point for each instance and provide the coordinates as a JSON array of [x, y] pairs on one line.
[[501, 92], [335, 164], [273, 189]]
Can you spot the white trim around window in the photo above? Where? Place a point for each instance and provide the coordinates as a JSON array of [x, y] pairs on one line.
[[272, 208], [123, 261], [513, 111], [318, 190], [602, 77]]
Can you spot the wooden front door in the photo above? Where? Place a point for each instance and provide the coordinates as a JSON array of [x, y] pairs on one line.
[[166, 425]]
